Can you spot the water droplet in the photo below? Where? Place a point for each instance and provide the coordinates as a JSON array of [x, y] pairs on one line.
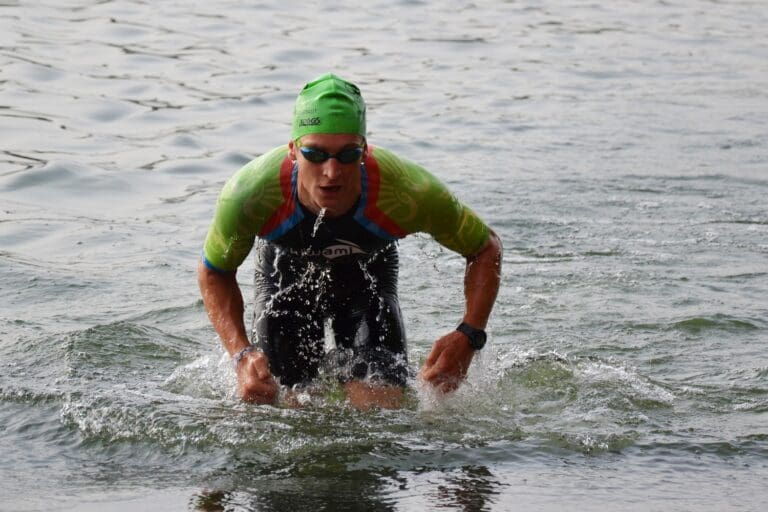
[[318, 221]]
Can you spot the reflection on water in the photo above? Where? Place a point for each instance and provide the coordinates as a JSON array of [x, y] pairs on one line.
[[472, 488], [468, 488]]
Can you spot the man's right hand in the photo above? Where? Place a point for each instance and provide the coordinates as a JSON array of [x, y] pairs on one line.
[[255, 382]]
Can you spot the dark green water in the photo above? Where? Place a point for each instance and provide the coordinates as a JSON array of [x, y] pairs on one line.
[[619, 151]]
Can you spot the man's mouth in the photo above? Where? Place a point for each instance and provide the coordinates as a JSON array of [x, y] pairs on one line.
[[330, 189]]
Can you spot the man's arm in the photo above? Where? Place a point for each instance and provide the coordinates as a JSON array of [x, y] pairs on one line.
[[224, 304], [448, 362]]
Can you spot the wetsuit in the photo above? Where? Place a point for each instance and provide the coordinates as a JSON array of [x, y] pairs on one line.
[[333, 272]]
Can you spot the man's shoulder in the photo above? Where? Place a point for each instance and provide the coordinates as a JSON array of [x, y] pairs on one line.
[[263, 172], [393, 167], [415, 200], [397, 174], [385, 157], [266, 163]]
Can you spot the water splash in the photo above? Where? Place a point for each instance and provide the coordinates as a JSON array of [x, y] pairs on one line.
[[372, 286], [210, 376], [318, 221], [329, 335]]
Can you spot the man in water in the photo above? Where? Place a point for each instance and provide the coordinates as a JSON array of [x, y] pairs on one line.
[[327, 210]]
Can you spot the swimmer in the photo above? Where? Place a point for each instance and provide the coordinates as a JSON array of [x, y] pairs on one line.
[[323, 214]]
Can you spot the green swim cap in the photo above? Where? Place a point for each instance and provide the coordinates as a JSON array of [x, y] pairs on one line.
[[329, 104]]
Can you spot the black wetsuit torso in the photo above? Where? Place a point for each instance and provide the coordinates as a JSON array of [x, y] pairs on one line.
[[329, 272]]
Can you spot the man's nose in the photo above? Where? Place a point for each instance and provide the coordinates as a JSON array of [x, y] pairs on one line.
[[331, 168]]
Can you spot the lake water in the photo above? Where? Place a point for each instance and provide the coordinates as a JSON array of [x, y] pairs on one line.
[[620, 150]]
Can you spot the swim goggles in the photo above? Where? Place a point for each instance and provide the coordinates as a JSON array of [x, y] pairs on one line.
[[345, 156]]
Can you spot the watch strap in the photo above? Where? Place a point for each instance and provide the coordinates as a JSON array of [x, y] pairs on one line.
[[477, 337]]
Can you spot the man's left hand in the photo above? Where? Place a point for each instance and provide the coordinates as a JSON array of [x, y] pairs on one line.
[[447, 364]]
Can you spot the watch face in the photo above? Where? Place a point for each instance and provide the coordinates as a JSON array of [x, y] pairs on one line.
[[478, 340]]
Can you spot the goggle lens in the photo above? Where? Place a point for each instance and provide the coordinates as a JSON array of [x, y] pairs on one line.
[[345, 156]]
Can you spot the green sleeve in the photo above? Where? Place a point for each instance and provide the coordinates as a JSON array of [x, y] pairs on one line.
[[245, 204], [419, 202]]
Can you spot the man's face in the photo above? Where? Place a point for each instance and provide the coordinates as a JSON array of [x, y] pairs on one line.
[[329, 185]]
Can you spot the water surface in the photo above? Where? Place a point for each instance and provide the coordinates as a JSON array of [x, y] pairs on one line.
[[619, 150]]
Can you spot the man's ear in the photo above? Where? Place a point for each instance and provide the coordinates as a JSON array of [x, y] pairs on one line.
[[292, 150]]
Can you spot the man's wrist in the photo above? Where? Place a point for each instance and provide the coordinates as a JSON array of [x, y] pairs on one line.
[[241, 354], [475, 336]]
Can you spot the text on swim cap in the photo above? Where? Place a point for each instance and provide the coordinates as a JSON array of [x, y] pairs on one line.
[[310, 121]]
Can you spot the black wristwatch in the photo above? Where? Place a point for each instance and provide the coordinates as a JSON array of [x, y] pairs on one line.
[[476, 337]]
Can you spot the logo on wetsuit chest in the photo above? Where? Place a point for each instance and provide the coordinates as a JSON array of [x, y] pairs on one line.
[[344, 248]]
